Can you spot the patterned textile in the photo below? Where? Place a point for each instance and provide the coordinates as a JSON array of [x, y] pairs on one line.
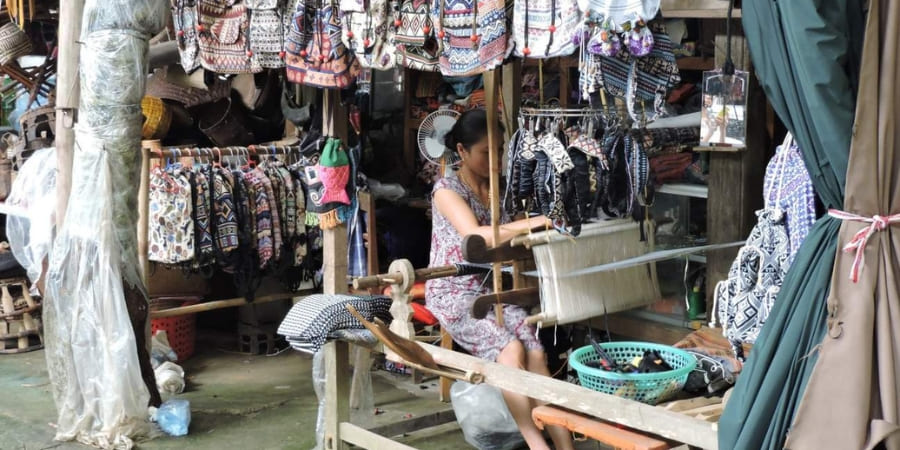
[[171, 233], [266, 33], [184, 19], [369, 32], [621, 11], [616, 195], [316, 55], [417, 45], [290, 203], [205, 250], [642, 78], [357, 260], [787, 187], [638, 169], [242, 196], [533, 21], [263, 215], [226, 227], [272, 200], [451, 299], [473, 35], [577, 188], [744, 300], [556, 151], [310, 321], [223, 38]]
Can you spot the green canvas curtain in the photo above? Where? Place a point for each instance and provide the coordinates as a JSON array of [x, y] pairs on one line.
[[806, 56]]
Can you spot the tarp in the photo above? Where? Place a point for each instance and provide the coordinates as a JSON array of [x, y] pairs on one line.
[[806, 55]]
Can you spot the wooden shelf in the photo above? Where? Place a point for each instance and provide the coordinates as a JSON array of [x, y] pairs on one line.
[[697, 9], [684, 190], [696, 63]]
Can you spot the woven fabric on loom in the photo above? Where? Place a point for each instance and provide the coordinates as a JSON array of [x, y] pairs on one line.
[[461, 56]]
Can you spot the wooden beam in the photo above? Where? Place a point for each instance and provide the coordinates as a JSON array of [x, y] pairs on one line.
[[363, 438], [595, 429], [220, 304], [416, 423], [632, 414], [144, 209], [337, 390], [490, 90], [67, 95], [335, 239]]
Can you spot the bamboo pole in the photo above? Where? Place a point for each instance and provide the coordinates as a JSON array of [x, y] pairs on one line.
[[490, 88], [220, 304], [67, 94]]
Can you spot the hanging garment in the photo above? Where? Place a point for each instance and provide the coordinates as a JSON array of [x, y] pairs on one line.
[[263, 215], [415, 37], [272, 206], [473, 35], [223, 42], [544, 28], [225, 223], [638, 169], [645, 78], [185, 20], [615, 197], [203, 238], [369, 32], [743, 300], [788, 187], [316, 56], [268, 22], [171, 232]]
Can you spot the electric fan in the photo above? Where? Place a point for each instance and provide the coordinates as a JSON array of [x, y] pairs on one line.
[[431, 136]]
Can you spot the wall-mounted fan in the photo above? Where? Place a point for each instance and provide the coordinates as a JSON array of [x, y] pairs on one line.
[[431, 136]]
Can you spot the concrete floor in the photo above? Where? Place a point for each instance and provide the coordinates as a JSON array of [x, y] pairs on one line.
[[237, 402]]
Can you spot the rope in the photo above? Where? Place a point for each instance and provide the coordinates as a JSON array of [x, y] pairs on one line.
[[861, 238]]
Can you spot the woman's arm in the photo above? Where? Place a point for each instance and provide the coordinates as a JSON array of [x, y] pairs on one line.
[[460, 215]]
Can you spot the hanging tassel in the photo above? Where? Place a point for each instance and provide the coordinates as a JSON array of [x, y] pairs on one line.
[[329, 220], [312, 219]]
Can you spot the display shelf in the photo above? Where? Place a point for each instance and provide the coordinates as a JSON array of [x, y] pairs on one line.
[[697, 9], [696, 63], [684, 190]]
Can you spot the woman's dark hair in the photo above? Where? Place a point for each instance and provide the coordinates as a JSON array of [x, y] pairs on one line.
[[470, 128]]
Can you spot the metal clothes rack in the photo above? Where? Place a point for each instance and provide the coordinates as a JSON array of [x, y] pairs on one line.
[[154, 150]]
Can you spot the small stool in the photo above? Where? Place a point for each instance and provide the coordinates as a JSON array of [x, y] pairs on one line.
[[20, 320], [598, 430]]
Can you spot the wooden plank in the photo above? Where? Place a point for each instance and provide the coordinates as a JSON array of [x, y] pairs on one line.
[[632, 414], [337, 389], [367, 439], [511, 90], [595, 429], [144, 209], [490, 90], [220, 304], [622, 325], [691, 403], [416, 423]]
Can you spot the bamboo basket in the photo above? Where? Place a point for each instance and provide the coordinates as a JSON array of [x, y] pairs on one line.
[[20, 320], [567, 299], [13, 43], [157, 118]]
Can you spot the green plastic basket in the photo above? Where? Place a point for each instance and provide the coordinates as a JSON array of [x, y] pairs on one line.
[[649, 388]]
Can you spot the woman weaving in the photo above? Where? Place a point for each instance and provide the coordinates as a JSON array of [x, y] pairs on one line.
[[461, 207]]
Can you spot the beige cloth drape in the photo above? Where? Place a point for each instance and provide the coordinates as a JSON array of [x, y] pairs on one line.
[[852, 400]]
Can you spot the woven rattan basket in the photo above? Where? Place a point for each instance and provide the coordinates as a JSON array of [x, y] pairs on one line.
[[157, 118], [13, 43]]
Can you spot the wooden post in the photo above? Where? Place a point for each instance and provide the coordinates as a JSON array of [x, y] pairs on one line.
[[144, 209], [67, 94], [337, 391], [490, 90], [335, 239]]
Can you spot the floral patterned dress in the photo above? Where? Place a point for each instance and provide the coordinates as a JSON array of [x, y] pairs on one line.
[[451, 299]]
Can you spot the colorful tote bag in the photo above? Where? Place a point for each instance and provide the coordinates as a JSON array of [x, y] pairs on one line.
[[223, 37], [171, 232], [415, 38], [316, 55], [544, 28], [472, 34], [369, 32], [184, 19], [267, 29]]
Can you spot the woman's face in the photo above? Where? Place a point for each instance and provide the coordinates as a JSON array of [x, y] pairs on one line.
[[477, 158]]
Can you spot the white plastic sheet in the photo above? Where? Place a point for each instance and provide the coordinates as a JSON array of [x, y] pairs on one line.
[[29, 226], [91, 346]]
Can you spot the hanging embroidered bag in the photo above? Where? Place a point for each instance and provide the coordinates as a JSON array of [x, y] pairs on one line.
[[544, 28], [171, 232], [316, 55], [417, 45], [223, 29], [743, 300], [369, 32], [184, 20], [472, 34], [267, 29]]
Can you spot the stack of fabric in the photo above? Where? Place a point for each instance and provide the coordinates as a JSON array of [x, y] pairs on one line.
[[315, 318]]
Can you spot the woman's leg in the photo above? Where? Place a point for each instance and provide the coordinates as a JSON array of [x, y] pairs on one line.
[[513, 355], [536, 362]]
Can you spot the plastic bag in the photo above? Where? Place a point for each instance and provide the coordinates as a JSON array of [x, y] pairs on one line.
[[484, 417], [174, 416], [33, 198], [170, 378], [362, 399], [160, 350], [91, 347]]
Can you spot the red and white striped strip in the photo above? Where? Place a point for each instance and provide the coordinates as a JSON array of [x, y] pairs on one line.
[[861, 238]]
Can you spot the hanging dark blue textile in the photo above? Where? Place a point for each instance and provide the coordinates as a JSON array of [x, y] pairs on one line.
[[806, 56]]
